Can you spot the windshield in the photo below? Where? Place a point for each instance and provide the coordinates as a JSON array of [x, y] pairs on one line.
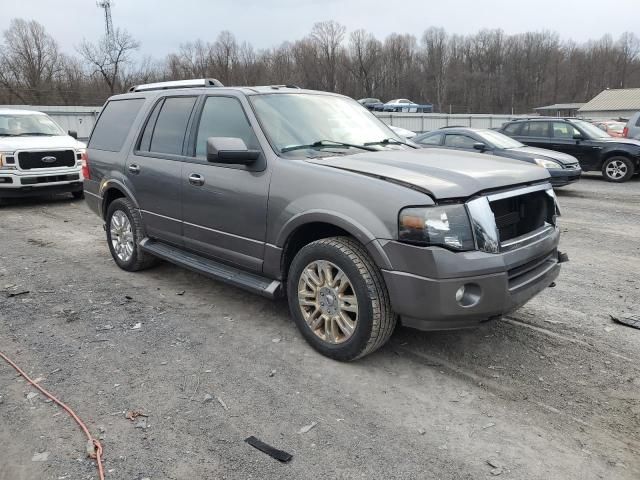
[[24, 125], [499, 140], [616, 127], [590, 129], [301, 124]]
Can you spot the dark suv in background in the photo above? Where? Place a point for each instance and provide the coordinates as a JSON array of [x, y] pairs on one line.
[[617, 158], [283, 191]]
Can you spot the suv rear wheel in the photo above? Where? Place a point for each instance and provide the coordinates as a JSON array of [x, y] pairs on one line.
[[338, 299], [124, 233], [618, 169]]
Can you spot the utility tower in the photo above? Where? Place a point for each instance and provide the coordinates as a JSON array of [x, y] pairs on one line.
[[108, 22]]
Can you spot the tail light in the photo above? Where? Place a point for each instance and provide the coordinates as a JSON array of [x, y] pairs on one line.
[[625, 132], [85, 165]]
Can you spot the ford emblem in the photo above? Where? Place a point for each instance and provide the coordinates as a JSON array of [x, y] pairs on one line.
[[49, 159]]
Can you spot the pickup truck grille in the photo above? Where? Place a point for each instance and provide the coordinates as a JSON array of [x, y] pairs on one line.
[[46, 159], [522, 214]]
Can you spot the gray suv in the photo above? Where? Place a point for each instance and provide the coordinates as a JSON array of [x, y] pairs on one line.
[[305, 194]]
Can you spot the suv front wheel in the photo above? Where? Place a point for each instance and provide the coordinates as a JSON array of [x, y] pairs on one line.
[[124, 233], [618, 169], [338, 299]]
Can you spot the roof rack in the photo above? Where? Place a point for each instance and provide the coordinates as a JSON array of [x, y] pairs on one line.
[[455, 126], [276, 87], [195, 83]]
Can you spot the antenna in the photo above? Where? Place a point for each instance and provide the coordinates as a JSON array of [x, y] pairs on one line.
[[108, 22]]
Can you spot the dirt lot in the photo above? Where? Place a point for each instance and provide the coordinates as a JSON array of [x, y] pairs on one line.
[[552, 392]]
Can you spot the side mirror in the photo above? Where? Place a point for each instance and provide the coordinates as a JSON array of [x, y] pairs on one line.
[[578, 136], [230, 150], [479, 146], [73, 134]]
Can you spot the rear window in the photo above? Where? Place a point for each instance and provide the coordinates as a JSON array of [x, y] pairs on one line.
[[114, 124]]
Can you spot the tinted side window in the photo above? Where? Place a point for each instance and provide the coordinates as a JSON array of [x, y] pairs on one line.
[[564, 130], [536, 129], [459, 141], [224, 117], [431, 139], [145, 142], [638, 121], [114, 124], [171, 126], [512, 128]]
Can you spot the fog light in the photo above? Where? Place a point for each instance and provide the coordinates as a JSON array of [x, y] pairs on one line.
[[468, 295]]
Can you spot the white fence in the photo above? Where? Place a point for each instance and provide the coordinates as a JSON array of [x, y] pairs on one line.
[[425, 122]]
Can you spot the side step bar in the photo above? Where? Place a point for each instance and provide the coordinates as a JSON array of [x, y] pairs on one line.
[[218, 271]]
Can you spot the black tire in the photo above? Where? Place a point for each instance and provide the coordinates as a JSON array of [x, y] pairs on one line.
[[624, 171], [78, 195], [375, 319], [139, 260]]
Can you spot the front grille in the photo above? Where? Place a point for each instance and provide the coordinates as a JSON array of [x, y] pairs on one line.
[[525, 273], [522, 214], [46, 159], [49, 179]]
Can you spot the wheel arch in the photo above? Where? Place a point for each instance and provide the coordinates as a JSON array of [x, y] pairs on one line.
[[112, 190]]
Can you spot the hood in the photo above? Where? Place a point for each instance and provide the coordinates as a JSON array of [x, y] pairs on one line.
[[11, 144], [443, 174], [624, 141], [533, 152]]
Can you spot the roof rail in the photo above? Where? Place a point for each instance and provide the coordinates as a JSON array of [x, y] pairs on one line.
[[195, 83], [275, 87], [455, 126]]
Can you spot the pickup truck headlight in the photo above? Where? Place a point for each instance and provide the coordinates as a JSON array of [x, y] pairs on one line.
[[545, 163], [7, 161], [446, 226]]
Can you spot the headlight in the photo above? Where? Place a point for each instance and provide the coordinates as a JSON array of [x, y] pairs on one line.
[[446, 226], [544, 163], [7, 161]]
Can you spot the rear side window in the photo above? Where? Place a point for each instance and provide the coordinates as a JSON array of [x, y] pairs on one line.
[[638, 120], [536, 129], [431, 140], [114, 124], [171, 126], [224, 117], [512, 128]]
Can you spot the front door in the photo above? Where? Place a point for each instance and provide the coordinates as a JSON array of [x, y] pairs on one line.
[[155, 167], [225, 206]]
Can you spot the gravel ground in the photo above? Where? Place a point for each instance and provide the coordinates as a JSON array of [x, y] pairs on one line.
[[551, 392]]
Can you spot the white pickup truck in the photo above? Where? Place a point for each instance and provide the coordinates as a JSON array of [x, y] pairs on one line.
[[37, 157]]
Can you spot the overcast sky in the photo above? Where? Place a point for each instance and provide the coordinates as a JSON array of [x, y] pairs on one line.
[[162, 25]]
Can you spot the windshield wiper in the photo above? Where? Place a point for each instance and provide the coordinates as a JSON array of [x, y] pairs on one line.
[[327, 143], [390, 141], [33, 134]]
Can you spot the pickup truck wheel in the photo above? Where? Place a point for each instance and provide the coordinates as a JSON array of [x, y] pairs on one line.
[[124, 232], [338, 299], [618, 169]]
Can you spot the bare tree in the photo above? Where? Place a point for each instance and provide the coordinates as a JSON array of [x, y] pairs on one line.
[[109, 56], [28, 61], [328, 37]]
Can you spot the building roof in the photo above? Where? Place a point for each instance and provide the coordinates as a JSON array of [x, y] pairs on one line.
[[561, 106], [615, 99]]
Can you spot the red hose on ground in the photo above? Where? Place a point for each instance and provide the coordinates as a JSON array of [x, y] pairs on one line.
[[94, 448]]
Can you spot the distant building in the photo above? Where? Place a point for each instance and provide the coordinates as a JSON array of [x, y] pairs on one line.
[[559, 110], [612, 104]]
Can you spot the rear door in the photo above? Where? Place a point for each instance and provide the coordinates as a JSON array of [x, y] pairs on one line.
[[535, 134], [225, 206], [154, 168]]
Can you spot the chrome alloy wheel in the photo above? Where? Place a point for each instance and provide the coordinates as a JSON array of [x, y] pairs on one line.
[[616, 169], [328, 301], [121, 235]]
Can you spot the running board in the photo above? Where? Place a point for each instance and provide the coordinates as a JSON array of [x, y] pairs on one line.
[[212, 269]]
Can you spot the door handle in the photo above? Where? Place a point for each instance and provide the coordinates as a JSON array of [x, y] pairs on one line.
[[196, 179], [134, 169]]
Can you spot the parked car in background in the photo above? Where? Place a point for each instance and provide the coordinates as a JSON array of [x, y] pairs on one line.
[[37, 157], [406, 106], [564, 169], [617, 158], [403, 132], [371, 103], [632, 129], [305, 194], [612, 127]]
